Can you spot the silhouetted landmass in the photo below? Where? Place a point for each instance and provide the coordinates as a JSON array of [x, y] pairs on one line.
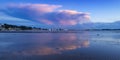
[[16, 28], [102, 29], [9, 28], [4, 27]]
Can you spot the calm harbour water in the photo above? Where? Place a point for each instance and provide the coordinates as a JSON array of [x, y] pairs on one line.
[[95, 45]]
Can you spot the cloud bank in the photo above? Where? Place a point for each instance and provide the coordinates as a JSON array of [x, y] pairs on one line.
[[46, 14]]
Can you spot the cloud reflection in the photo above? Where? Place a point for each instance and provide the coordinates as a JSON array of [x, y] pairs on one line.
[[52, 43]]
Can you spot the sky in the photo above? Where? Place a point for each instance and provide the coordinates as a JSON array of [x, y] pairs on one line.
[[59, 12]]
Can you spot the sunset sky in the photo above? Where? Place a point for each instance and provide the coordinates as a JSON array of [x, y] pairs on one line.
[[59, 12]]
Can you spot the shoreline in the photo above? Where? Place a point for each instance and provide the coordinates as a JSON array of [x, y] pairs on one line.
[[39, 31], [26, 31]]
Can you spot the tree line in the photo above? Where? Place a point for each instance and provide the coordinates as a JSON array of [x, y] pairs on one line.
[[14, 27]]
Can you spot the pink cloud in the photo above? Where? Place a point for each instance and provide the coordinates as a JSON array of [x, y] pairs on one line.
[[46, 22], [70, 22], [35, 7], [47, 14], [71, 17], [70, 12]]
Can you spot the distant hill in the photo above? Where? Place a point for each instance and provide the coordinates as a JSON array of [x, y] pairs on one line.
[[91, 25], [114, 25]]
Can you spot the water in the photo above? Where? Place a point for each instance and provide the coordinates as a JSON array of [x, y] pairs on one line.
[[95, 45]]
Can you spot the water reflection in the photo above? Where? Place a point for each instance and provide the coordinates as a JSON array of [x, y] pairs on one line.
[[54, 44], [60, 46], [47, 43], [106, 37]]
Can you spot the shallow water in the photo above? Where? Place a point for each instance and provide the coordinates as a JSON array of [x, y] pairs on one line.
[[95, 45]]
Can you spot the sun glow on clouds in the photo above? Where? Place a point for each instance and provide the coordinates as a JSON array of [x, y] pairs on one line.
[[47, 22], [46, 14], [35, 7]]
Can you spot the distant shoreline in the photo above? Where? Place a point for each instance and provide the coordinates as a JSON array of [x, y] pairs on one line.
[[54, 31], [38, 31]]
